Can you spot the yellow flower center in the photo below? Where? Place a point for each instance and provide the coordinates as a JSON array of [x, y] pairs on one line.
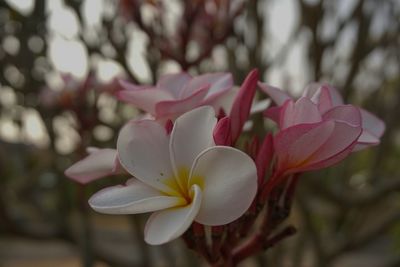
[[180, 186]]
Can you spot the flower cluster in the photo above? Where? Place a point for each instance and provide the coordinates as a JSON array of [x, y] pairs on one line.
[[188, 168]]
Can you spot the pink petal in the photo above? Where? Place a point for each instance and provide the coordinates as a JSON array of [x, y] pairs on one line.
[[174, 83], [301, 111], [366, 140], [372, 124], [218, 83], [222, 132], [344, 113], [294, 145], [274, 113], [223, 101], [313, 91], [373, 129], [277, 95], [341, 142], [145, 99], [131, 86], [333, 140], [324, 100], [343, 136], [327, 162], [242, 104], [97, 164], [264, 157], [173, 108]]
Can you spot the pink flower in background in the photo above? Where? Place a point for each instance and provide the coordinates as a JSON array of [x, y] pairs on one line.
[[176, 94], [330, 104], [99, 163], [181, 177], [73, 92]]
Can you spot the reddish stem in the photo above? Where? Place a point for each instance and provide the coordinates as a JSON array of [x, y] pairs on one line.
[[259, 242], [268, 186]]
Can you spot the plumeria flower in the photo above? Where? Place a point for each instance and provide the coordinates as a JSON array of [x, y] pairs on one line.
[[308, 140], [329, 103], [99, 163], [176, 94], [181, 177]]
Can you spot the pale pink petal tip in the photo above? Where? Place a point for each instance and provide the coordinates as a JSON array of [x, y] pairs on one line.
[[99, 163], [277, 95]]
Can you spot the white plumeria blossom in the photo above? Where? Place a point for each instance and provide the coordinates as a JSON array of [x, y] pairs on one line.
[[181, 177]]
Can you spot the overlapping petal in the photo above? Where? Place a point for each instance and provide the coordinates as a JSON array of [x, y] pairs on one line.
[[277, 95], [342, 137], [230, 184], [218, 83], [294, 145], [143, 148], [178, 93], [313, 146], [174, 108], [174, 83], [164, 226], [299, 112], [345, 113], [135, 197], [192, 133], [145, 99], [318, 93]]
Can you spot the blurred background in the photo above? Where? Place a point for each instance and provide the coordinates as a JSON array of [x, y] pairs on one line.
[[59, 61]]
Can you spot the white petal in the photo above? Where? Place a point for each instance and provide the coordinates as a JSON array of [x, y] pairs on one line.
[[230, 184], [192, 133], [134, 197], [143, 149], [164, 226], [97, 164]]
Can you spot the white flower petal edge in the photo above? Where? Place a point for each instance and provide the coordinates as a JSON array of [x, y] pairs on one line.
[[229, 184], [166, 225], [192, 133], [135, 197]]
